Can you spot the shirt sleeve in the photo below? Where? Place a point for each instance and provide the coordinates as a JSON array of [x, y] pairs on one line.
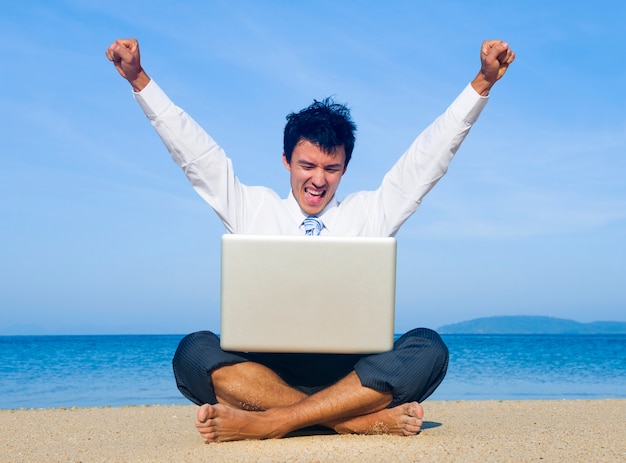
[[203, 161], [425, 162]]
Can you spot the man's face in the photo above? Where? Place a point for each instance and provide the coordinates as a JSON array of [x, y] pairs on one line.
[[315, 175]]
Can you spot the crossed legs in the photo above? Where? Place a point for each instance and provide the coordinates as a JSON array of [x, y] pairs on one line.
[[255, 403], [251, 396]]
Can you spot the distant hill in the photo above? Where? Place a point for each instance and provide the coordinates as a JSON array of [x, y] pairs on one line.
[[523, 324]]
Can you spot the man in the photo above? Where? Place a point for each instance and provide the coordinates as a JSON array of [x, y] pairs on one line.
[[256, 395]]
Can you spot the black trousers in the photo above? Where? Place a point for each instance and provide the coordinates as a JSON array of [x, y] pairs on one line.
[[411, 371]]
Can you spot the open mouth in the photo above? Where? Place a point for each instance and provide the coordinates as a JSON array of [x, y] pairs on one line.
[[314, 196]]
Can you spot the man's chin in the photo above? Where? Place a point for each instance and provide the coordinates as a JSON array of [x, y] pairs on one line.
[[313, 207], [312, 211]]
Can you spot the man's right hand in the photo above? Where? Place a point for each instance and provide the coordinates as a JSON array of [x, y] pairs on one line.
[[124, 53]]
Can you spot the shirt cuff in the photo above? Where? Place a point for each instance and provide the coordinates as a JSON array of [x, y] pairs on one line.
[[469, 104], [153, 100]]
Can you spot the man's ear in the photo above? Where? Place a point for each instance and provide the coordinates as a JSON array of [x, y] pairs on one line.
[[286, 163]]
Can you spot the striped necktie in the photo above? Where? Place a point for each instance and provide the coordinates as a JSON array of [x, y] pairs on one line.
[[312, 225]]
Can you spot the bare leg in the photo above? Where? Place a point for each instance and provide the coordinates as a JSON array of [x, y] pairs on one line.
[[254, 387], [346, 406]]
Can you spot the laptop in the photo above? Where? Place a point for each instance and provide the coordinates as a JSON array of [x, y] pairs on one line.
[[307, 294]]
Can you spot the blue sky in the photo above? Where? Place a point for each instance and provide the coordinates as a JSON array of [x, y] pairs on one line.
[[101, 232]]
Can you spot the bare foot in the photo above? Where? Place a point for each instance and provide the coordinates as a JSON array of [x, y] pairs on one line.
[[220, 423], [403, 420]]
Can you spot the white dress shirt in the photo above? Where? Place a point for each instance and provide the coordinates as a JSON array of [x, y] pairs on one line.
[[260, 210]]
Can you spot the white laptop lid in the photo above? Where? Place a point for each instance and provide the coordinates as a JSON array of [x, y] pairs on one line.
[[307, 294]]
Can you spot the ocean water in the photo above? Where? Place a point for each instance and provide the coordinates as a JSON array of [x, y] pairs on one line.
[[92, 371], [534, 367]]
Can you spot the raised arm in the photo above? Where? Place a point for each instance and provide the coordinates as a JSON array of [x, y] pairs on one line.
[[495, 58], [124, 53]]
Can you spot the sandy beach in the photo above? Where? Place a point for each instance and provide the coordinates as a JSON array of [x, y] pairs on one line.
[[454, 431]]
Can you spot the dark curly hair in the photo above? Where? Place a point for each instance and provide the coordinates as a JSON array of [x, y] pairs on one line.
[[324, 123]]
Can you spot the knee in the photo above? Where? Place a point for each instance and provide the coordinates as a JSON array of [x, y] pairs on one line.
[[192, 347], [428, 342], [438, 346], [427, 357], [190, 365]]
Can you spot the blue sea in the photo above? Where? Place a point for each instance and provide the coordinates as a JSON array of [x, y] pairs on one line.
[[111, 370]]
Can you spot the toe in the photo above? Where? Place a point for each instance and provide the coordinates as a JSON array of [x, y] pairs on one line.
[[205, 413], [416, 410]]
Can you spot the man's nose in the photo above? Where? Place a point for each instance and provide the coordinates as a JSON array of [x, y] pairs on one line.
[[319, 178]]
